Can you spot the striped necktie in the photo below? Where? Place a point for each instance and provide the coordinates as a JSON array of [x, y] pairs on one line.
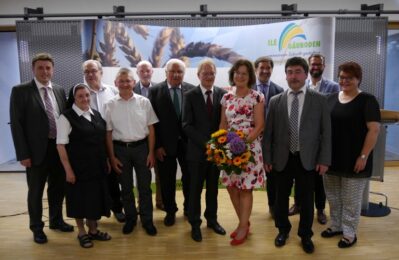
[[50, 114], [294, 120]]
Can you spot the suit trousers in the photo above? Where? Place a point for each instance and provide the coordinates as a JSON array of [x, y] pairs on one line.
[[319, 193], [114, 191], [49, 170], [271, 188], [303, 179], [135, 157], [200, 172], [167, 176]]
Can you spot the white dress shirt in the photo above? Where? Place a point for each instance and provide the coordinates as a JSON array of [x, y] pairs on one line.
[[99, 98], [129, 119]]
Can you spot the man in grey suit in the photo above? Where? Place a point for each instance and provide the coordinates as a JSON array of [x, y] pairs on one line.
[[34, 108], [144, 72], [296, 144], [201, 117], [264, 69], [316, 82], [166, 99]]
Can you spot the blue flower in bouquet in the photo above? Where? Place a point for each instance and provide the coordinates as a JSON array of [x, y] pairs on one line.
[[237, 146], [231, 136]]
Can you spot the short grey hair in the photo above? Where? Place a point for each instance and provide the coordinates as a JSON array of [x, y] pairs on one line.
[[96, 62], [175, 61], [125, 71]]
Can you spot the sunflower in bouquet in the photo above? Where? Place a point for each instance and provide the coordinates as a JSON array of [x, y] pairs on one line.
[[229, 151]]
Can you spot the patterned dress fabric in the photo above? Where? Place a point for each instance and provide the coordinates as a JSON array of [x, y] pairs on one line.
[[240, 116]]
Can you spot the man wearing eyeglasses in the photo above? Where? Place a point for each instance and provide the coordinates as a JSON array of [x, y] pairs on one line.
[[100, 94], [170, 143]]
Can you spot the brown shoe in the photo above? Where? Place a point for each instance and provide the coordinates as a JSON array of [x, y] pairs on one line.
[[294, 210], [321, 217]]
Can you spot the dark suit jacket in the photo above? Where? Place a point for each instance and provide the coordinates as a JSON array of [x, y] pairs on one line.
[[274, 89], [169, 129], [314, 132], [197, 125], [137, 88], [29, 121]]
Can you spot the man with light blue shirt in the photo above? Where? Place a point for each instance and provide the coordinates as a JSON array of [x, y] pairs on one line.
[[317, 82], [264, 69], [144, 72], [100, 94]]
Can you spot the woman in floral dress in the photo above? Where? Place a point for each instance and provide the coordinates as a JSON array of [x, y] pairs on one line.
[[242, 109]]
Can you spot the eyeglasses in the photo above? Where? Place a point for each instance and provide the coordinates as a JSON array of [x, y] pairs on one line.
[[340, 78], [87, 72]]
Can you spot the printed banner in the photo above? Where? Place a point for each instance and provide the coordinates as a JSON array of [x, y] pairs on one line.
[[122, 44]]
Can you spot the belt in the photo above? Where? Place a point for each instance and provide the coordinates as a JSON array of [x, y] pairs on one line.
[[295, 154], [130, 144]]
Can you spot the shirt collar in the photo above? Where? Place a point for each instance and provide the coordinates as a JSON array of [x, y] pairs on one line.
[[80, 112], [303, 89], [258, 83], [204, 90], [170, 87], [317, 85], [142, 86], [40, 85], [118, 97], [101, 89]]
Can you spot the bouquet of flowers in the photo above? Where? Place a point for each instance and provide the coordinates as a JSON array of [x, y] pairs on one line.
[[229, 151]]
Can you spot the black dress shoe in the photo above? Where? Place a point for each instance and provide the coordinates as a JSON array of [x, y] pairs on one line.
[[169, 219], [120, 217], [196, 234], [330, 233], [345, 243], [307, 245], [217, 228], [39, 237], [280, 239], [129, 226], [62, 226], [150, 229]]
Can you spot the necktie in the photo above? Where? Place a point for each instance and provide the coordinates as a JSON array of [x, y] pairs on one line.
[[265, 90], [209, 102], [176, 102], [50, 114], [294, 133]]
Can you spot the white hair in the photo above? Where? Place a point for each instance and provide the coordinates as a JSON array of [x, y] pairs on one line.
[[175, 61], [144, 62]]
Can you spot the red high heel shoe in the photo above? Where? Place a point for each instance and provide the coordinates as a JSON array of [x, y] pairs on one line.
[[236, 242], [234, 233]]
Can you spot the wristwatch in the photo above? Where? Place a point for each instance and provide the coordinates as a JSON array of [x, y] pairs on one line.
[[363, 157]]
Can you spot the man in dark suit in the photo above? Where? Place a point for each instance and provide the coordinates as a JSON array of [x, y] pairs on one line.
[[166, 99], [201, 117], [264, 69], [316, 82], [144, 72], [296, 144], [34, 107]]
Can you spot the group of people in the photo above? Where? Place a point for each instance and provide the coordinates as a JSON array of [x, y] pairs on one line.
[[86, 147]]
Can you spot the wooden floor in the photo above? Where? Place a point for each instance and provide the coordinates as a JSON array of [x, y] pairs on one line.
[[377, 237]]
